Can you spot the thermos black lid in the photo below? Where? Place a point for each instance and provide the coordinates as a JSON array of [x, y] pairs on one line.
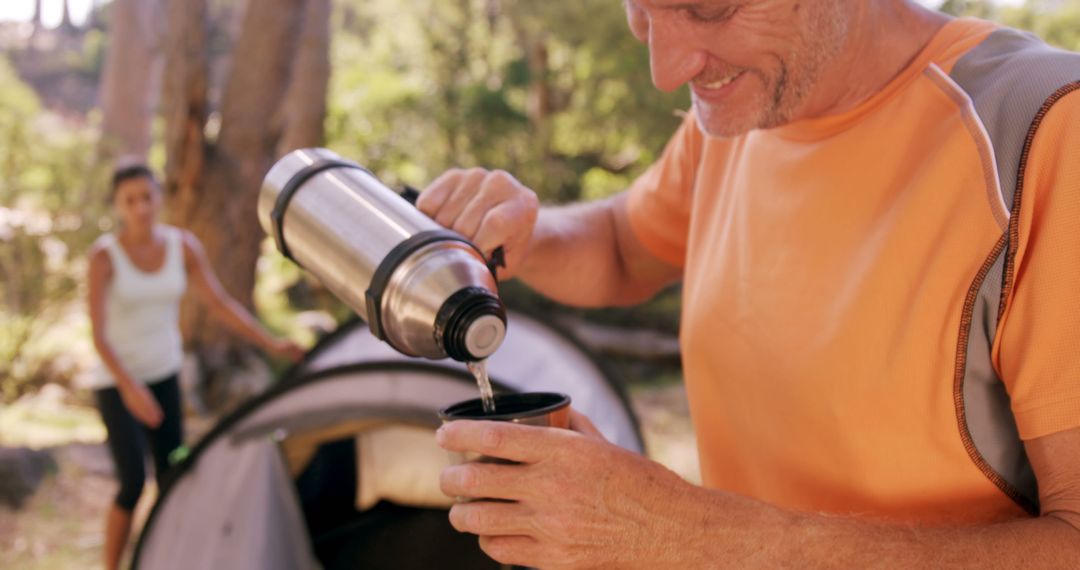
[[471, 324]]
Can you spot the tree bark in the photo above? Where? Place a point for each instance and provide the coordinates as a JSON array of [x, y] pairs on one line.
[[93, 18], [251, 127], [185, 105], [212, 186], [131, 81], [305, 102], [65, 16], [37, 15], [539, 106]]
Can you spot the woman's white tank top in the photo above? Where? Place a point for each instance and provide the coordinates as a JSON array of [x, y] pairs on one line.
[[142, 312]]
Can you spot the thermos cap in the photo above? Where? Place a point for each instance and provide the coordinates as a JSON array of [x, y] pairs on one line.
[[484, 335]]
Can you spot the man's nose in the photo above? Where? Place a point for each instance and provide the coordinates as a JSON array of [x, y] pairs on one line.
[[673, 59]]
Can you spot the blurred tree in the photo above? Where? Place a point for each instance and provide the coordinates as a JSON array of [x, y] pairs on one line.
[[131, 80], [558, 93], [304, 107], [985, 9], [48, 217], [65, 16], [93, 18], [215, 163], [36, 20], [1055, 21]]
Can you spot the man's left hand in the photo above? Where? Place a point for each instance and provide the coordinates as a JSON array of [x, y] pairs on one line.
[[573, 499]]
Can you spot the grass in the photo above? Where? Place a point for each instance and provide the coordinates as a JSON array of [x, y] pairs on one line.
[[38, 426]]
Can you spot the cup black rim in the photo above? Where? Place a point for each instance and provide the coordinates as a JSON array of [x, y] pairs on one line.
[[558, 401]]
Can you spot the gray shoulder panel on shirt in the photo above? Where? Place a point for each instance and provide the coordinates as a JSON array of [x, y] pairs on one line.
[[1009, 76]]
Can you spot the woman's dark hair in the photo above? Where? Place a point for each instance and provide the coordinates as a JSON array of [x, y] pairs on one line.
[[132, 172]]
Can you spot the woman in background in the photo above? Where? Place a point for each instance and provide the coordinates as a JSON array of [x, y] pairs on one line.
[[137, 276]]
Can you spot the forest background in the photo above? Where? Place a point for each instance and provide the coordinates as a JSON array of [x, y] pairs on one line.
[[557, 93]]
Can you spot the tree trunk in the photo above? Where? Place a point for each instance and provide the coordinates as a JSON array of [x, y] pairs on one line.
[[131, 81], [305, 102], [37, 15], [185, 104], [539, 101], [212, 186], [65, 16], [251, 127], [92, 15]]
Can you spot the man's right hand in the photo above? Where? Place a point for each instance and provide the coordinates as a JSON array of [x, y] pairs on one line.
[[141, 403], [490, 208]]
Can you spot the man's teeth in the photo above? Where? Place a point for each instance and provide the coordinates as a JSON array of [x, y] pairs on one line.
[[721, 82]]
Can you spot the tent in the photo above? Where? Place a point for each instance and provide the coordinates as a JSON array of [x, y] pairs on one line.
[[336, 466]]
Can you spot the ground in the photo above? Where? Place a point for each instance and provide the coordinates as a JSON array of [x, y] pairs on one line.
[[60, 527]]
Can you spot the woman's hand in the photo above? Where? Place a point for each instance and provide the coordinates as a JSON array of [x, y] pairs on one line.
[[287, 350], [141, 403]]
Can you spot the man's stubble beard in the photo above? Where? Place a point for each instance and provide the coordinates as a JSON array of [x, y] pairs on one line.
[[820, 44], [810, 58]]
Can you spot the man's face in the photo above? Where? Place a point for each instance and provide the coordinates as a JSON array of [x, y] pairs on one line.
[[751, 64]]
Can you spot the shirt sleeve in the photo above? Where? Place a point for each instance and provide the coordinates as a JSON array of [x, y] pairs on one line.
[[660, 199], [1039, 349]]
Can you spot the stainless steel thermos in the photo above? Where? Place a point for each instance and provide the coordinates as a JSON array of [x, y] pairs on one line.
[[425, 290]]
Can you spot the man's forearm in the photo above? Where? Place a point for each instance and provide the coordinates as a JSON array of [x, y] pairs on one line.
[[1045, 542], [771, 537], [571, 256], [575, 257]]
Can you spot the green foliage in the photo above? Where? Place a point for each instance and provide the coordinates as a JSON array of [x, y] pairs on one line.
[[418, 86], [985, 9], [424, 85], [1055, 21], [48, 216]]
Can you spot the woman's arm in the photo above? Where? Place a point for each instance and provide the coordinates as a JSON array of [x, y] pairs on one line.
[[136, 396], [227, 309]]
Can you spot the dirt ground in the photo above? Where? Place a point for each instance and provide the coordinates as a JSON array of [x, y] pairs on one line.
[[60, 527]]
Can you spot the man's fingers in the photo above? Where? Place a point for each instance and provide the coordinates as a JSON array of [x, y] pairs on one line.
[[505, 440], [581, 423], [509, 225], [490, 208], [512, 550], [491, 518], [482, 481], [433, 197], [493, 189], [459, 197]]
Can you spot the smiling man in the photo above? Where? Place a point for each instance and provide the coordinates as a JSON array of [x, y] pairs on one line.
[[873, 210]]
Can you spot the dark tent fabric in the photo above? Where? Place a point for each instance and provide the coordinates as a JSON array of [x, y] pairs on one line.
[[335, 467]]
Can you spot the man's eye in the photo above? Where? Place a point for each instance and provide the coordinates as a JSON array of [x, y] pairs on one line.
[[710, 15]]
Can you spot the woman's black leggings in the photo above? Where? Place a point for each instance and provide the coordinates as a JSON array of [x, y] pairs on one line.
[[126, 436]]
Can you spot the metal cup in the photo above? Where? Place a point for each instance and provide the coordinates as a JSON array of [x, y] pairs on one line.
[[545, 409]]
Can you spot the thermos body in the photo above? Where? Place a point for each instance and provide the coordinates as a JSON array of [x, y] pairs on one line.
[[423, 289]]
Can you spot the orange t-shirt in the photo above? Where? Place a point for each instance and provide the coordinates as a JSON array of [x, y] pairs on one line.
[[842, 279]]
